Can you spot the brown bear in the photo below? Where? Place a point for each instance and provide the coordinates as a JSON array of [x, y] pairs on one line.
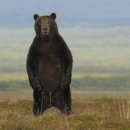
[[49, 67]]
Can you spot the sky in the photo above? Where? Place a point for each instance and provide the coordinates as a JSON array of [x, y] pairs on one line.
[[16, 13]]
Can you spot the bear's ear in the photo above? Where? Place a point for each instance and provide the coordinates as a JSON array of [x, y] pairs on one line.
[[53, 15], [35, 16]]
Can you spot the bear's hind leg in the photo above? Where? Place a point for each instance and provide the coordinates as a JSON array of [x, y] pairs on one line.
[[58, 101], [38, 102], [63, 101], [67, 100]]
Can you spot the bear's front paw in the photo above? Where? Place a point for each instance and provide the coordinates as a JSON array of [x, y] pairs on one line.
[[35, 84], [64, 82]]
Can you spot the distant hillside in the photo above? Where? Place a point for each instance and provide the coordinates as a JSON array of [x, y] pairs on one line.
[[101, 57], [93, 49], [80, 81]]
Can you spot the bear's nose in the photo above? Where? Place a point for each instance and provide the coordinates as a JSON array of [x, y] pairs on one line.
[[45, 30]]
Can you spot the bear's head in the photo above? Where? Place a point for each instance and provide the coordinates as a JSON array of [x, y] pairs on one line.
[[45, 26]]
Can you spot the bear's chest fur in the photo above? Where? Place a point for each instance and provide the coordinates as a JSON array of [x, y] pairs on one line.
[[49, 65], [47, 48]]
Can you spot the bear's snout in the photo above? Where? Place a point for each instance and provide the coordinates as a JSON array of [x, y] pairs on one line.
[[45, 30]]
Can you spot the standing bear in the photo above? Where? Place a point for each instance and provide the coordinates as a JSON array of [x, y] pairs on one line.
[[49, 67]]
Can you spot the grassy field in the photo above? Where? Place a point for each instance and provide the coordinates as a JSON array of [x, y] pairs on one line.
[[90, 111]]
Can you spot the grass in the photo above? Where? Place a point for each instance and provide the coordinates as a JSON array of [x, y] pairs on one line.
[[93, 113]]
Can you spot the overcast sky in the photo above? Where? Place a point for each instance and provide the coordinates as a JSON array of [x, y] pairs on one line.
[[69, 12]]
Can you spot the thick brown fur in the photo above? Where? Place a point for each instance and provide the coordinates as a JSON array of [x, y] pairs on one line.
[[49, 67]]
